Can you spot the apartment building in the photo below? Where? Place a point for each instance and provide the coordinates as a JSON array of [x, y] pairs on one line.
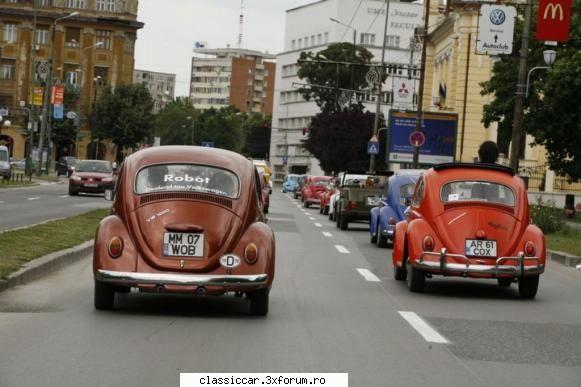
[[232, 76], [161, 86], [310, 28], [93, 44]]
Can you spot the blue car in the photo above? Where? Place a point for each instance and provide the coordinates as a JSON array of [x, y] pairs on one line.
[[395, 198], [290, 183]]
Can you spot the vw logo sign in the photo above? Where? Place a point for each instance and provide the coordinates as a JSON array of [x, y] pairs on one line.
[[497, 17], [230, 261]]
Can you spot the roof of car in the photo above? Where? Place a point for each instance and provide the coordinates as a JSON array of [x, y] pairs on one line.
[[488, 166]]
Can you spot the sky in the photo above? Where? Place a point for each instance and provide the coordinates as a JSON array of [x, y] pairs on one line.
[[166, 41]]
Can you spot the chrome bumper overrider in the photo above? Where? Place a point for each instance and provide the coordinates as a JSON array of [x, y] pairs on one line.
[[131, 278], [443, 267]]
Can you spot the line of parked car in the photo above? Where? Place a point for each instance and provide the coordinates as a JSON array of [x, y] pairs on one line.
[[455, 219]]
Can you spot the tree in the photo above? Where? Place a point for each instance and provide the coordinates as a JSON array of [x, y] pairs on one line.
[[552, 108], [339, 140], [124, 116], [326, 79], [175, 124], [257, 136]]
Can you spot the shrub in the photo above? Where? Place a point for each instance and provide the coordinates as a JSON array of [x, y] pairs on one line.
[[548, 217]]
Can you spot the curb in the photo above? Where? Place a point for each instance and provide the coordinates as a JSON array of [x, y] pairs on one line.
[[43, 266], [564, 258]]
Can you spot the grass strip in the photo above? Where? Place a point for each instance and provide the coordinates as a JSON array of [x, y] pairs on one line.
[[566, 240], [21, 246]]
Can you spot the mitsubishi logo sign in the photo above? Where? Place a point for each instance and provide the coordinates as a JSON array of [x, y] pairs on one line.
[[553, 20]]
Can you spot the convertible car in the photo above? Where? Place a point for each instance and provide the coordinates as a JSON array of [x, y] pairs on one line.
[[470, 220], [185, 219]]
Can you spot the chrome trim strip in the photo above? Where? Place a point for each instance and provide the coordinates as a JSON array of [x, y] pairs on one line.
[[180, 279], [498, 268]]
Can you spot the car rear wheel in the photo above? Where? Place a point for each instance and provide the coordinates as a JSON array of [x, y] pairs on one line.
[[416, 279], [326, 210], [504, 282], [373, 238], [259, 302], [381, 239], [399, 273], [72, 192], [305, 204], [344, 222], [104, 296], [528, 286]]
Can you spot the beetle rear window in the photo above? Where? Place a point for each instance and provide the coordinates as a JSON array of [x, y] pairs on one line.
[[187, 177], [479, 191]]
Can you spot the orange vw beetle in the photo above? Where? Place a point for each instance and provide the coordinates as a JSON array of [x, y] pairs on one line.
[[185, 219], [470, 220]]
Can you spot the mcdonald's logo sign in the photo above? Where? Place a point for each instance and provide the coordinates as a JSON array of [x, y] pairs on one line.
[[553, 20]]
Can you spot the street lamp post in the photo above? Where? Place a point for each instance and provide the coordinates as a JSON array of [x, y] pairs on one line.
[[549, 57], [96, 82], [46, 97], [348, 26]]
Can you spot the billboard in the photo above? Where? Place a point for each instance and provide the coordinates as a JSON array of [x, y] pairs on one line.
[[553, 20], [440, 137]]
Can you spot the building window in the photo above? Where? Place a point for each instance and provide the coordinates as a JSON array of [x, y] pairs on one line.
[[392, 41], [71, 75], [80, 4], [41, 35], [10, 34], [7, 69], [72, 36], [43, 3], [105, 5], [368, 39], [320, 39], [312, 40], [293, 44], [102, 74], [104, 36], [326, 37]]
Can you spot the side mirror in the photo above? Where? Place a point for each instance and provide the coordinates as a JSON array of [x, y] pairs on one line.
[[109, 195]]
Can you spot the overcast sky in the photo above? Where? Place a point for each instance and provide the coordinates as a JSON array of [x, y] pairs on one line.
[[172, 26]]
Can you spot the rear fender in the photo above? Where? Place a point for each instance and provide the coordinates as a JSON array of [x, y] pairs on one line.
[[416, 231], [399, 243], [386, 213], [373, 218], [534, 234], [110, 227], [263, 237]]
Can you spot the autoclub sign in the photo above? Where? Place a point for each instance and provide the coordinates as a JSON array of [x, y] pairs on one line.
[[495, 29], [553, 20]]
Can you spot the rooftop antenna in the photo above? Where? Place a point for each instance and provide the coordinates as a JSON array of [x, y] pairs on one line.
[[241, 24]]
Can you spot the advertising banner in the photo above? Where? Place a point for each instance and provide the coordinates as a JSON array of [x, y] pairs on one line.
[[36, 97], [495, 29], [58, 95], [439, 130], [553, 20], [58, 112]]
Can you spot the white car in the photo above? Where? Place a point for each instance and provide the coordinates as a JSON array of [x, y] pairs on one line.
[[332, 202]]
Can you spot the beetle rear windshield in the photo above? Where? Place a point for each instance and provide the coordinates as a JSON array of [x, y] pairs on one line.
[[477, 190], [187, 177]]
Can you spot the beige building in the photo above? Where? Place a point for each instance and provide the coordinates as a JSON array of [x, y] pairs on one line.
[[92, 49]]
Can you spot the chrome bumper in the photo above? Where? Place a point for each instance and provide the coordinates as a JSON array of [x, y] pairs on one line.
[[388, 231], [131, 278], [498, 269]]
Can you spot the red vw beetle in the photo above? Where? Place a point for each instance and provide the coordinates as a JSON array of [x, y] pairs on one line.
[[326, 196], [470, 220], [189, 220], [314, 186]]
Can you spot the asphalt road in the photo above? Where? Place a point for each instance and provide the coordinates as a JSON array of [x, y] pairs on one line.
[[327, 314], [25, 206]]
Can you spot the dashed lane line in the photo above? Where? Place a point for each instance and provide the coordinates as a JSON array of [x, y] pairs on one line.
[[429, 333], [34, 198], [342, 249], [318, 225], [327, 234], [368, 275]]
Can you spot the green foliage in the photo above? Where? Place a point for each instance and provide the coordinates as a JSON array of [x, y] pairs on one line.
[[257, 136], [124, 116], [339, 140], [175, 123], [333, 76], [552, 109], [545, 215]]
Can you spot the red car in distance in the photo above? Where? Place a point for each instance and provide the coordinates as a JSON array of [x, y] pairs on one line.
[[91, 176], [326, 197], [471, 221], [314, 186]]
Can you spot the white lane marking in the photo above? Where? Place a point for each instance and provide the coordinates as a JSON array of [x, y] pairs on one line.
[[342, 249], [423, 328], [64, 196], [578, 267], [311, 218], [318, 225], [35, 198], [369, 276], [327, 234], [456, 218]]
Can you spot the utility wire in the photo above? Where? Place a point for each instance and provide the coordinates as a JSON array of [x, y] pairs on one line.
[[351, 21]]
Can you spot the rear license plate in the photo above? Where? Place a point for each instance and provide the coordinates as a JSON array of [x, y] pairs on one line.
[[480, 248], [181, 244], [373, 200], [91, 185]]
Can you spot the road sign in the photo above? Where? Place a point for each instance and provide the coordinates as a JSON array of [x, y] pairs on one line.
[[553, 20], [71, 115], [208, 144], [417, 138], [372, 148], [58, 111], [57, 96], [495, 29]]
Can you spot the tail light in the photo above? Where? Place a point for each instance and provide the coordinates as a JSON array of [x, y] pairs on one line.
[[251, 253], [392, 221], [428, 243], [352, 205], [530, 249], [115, 247]]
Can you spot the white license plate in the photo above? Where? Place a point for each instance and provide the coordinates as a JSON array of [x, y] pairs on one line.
[[480, 248], [373, 200], [91, 185], [182, 244]]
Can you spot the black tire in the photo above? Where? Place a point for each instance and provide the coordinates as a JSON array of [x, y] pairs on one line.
[[259, 302], [399, 273], [528, 286], [504, 282], [344, 223], [320, 210], [337, 218], [331, 216], [73, 192], [416, 279], [266, 210], [104, 296], [295, 195], [381, 239], [373, 238], [306, 204], [326, 210]]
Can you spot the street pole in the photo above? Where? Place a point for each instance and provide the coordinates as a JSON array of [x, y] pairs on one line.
[[419, 118], [517, 122], [379, 83]]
